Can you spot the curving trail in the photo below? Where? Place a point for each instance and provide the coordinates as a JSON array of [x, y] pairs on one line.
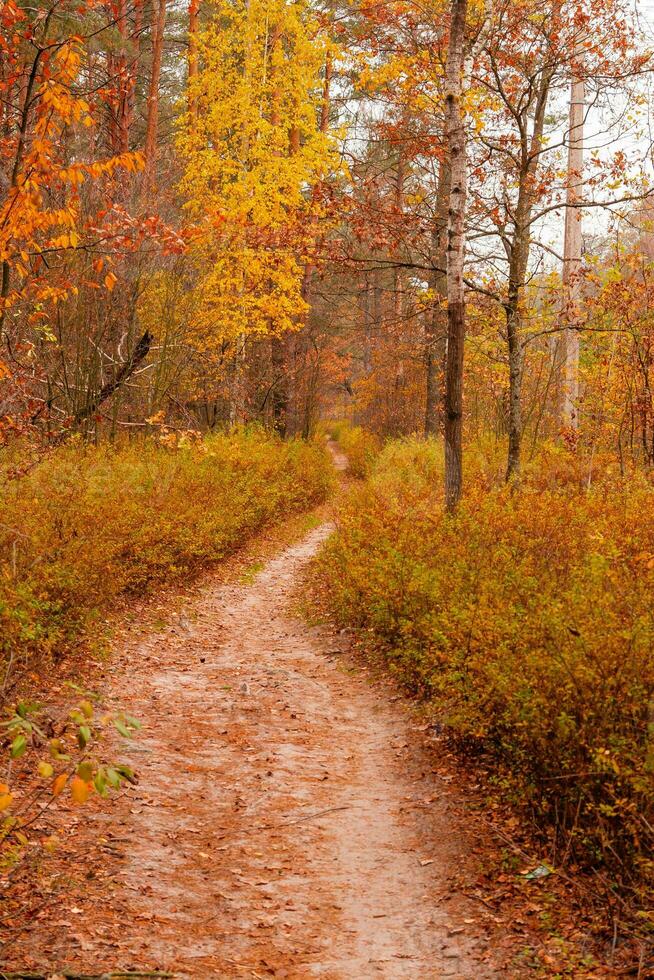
[[286, 824]]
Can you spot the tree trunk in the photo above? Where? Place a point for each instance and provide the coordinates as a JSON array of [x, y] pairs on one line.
[[516, 357], [456, 149], [123, 374], [367, 301], [518, 263], [572, 251], [124, 81], [398, 284], [5, 277], [193, 61], [435, 326], [135, 63], [150, 152], [279, 395]]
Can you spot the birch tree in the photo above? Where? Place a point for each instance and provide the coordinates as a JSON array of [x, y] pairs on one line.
[[572, 248]]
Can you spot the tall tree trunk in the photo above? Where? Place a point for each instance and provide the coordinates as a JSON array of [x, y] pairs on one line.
[[436, 326], [456, 150], [516, 358], [279, 394], [135, 63], [572, 250], [193, 60], [367, 307], [5, 276], [398, 277], [124, 81], [158, 25], [518, 263], [398, 284], [324, 109]]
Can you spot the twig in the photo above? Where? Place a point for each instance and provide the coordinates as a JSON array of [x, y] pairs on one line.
[[289, 823], [309, 816]]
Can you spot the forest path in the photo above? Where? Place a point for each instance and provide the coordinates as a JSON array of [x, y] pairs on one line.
[[287, 822]]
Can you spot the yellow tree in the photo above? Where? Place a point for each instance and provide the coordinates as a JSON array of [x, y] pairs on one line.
[[253, 150]]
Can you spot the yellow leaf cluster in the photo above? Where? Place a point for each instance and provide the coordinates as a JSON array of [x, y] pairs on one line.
[[254, 152]]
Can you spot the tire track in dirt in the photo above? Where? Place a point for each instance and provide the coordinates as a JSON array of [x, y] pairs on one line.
[[286, 823]]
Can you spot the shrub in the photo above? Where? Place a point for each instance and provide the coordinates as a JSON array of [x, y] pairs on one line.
[[527, 621], [88, 525], [360, 446]]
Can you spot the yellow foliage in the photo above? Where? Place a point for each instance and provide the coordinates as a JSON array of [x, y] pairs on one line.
[[92, 524], [247, 181], [526, 622]]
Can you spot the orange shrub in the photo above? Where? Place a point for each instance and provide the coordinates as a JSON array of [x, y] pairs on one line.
[[87, 525], [527, 620], [360, 446]]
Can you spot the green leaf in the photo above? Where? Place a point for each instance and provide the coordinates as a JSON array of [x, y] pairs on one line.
[[87, 709], [85, 771], [122, 728], [84, 736], [18, 724], [100, 782], [126, 772], [18, 747], [25, 708], [113, 778]]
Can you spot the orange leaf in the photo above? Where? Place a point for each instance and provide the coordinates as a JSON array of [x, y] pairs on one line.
[[59, 784], [80, 790]]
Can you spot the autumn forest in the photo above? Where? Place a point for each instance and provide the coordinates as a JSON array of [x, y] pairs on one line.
[[326, 488]]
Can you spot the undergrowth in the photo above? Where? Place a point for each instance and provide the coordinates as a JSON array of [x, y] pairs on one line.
[[89, 525], [359, 446], [526, 620]]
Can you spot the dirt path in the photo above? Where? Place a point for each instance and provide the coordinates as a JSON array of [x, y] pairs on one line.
[[286, 823]]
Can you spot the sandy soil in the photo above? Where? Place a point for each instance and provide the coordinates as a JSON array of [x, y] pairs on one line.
[[287, 822]]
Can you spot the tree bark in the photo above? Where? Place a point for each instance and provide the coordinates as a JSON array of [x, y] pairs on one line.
[[150, 152], [367, 308], [193, 60], [280, 388], [456, 149], [124, 81], [436, 326], [5, 278], [124, 372], [572, 250], [518, 263]]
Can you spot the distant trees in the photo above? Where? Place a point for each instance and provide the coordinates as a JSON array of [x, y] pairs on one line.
[[526, 181], [71, 84], [253, 152], [285, 219]]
